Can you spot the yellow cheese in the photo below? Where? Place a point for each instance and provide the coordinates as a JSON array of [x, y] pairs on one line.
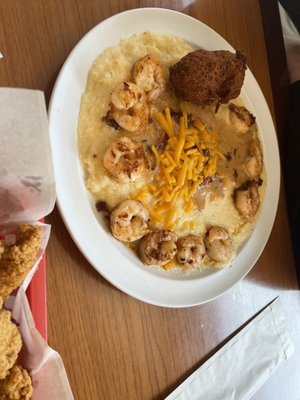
[[179, 148], [163, 122], [182, 166], [169, 265], [182, 174]]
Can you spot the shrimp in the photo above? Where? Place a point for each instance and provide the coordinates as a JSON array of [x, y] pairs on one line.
[[241, 118], [125, 159], [129, 107], [190, 250], [158, 248], [246, 199], [254, 161], [129, 221], [150, 75], [217, 243]]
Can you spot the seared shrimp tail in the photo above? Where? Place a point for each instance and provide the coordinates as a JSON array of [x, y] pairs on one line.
[[150, 75], [190, 251], [129, 221], [218, 244], [125, 160], [129, 107], [246, 199], [158, 248]]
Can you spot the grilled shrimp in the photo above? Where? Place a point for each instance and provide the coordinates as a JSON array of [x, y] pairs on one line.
[[246, 199], [150, 75], [129, 107], [190, 250], [254, 161], [129, 221], [158, 248], [241, 118], [217, 243], [125, 159]]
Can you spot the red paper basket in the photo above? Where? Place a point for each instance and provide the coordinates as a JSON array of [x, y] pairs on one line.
[[37, 298]]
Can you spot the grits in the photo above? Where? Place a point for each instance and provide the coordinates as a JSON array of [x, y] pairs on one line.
[[94, 135], [213, 204]]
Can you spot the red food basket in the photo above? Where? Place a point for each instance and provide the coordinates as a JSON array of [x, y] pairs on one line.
[[37, 298]]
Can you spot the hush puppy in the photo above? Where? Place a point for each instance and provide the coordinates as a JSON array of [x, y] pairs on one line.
[[206, 77]]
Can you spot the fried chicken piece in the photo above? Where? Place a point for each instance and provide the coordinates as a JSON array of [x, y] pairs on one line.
[[17, 260], [206, 77], [17, 385], [2, 247], [10, 342]]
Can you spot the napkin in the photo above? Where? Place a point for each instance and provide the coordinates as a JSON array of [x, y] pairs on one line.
[[27, 189], [241, 367]]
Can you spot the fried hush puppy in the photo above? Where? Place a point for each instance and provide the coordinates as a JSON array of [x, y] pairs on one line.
[[207, 77], [10, 343], [17, 260], [17, 385]]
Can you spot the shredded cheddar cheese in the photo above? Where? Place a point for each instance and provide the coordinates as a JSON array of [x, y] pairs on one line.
[[190, 155]]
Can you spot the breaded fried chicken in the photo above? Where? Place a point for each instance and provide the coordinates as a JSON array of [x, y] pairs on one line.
[[206, 77], [17, 385], [10, 342], [17, 260]]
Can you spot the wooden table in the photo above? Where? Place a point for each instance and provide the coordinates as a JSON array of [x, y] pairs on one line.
[[113, 346]]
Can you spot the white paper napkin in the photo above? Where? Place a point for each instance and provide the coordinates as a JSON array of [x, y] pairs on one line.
[[27, 189], [241, 367]]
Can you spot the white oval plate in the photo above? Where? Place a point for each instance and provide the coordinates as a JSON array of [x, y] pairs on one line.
[[109, 257]]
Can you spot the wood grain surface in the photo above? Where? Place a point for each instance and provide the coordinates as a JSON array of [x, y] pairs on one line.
[[113, 346]]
